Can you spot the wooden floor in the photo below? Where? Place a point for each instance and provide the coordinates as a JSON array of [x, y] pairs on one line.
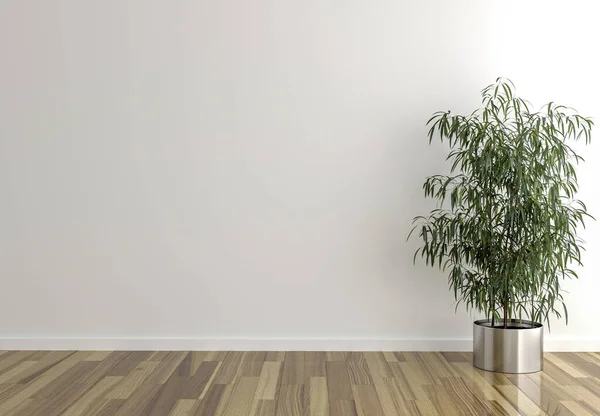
[[289, 383]]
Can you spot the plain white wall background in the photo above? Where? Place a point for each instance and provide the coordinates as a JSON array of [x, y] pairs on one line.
[[250, 169]]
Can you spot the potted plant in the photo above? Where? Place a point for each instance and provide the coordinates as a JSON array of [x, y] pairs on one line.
[[505, 225]]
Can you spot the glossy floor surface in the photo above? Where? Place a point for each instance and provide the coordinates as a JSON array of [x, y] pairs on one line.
[[289, 383]]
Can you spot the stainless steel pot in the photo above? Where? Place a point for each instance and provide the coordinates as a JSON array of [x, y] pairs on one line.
[[517, 349]]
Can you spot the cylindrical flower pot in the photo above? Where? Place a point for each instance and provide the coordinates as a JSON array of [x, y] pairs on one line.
[[516, 349]]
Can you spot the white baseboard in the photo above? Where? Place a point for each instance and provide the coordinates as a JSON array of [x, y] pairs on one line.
[[301, 344]]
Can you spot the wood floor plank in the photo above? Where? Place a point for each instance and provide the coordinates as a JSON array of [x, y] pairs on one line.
[[314, 364], [210, 381], [55, 405], [42, 381], [10, 360], [402, 396], [318, 397], [470, 374], [55, 397], [275, 356], [252, 364], [108, 407], [378, 366], [210, 403], [559, 375], [584, 394], [268, 380], [21, 408], [265, 408], [468, 356], [435, 365], [483, 389], [342, 408], [184, 369], [390, 404], [132, 381], [224, 400], [4, 388], [31, 373], [519, 400], [197, 359], [338, 381], [241, 398], [358, 369], [184, 407], [105, 367], [574, 408], [465, 398], [167, 396], [593, 384], [198, 383], [402, 385], [98, 355], [230, 368], [16, 370], [498, 409], [416, 378], [39, 355], [291, 400], [400, 356], [255, 356], [441, 400], [550, 385], [166, 367], [9, 390], [251, 369], [216, 355], [426, 408], [390, 357], [129, 362], [69, 377], [86, 403], [336, 355], [571, 357], [567, 367], [454, 357], [139, 401], [161, 355], [589, 369], [366, 401], [293, 368], [545, 395], [56, 356]]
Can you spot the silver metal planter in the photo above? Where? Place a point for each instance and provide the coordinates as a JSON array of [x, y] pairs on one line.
[[517, 349]]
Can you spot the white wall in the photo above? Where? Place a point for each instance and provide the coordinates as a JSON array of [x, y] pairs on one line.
[[249, 169]]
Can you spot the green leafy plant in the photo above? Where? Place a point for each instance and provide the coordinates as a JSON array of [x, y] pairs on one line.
[[506, 220]]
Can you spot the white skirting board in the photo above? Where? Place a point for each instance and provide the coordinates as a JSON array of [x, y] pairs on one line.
[[256, 344]]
